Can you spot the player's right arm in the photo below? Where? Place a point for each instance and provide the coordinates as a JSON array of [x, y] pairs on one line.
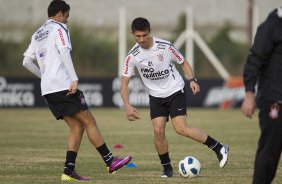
[[131, 112], [28, 61], [31, 66]]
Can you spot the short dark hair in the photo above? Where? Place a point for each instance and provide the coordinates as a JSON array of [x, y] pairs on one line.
[[56, 6], [140, 24]]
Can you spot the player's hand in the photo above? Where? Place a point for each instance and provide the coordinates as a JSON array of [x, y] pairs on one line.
[[194, 87], [249, 105], [73, 88], [131, 113]]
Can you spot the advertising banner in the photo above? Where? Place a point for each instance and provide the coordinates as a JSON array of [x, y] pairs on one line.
[[105, 92]]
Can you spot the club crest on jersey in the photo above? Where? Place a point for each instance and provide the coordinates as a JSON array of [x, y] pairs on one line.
[[274, 111], [161, 57]]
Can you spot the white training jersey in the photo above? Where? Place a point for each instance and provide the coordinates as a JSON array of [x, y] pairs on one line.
[[45, 45], [156, 67]]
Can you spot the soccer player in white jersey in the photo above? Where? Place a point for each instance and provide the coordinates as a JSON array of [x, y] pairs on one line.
[[50, 46], [155, 61]]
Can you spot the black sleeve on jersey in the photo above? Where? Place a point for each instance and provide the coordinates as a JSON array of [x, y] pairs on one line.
[[134, 51]]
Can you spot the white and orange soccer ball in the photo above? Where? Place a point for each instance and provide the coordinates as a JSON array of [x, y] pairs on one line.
[[189, 167]]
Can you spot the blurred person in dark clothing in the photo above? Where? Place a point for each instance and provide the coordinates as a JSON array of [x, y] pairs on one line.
[[264, 66]]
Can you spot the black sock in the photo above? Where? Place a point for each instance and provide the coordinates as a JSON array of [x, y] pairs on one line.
[[70, 162], [106, 154], [213, 144], [165, 161]]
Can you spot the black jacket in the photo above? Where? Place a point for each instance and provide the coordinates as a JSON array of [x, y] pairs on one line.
[[264, 63]]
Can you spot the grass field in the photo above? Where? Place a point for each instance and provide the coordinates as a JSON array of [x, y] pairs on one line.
[[33, 143]]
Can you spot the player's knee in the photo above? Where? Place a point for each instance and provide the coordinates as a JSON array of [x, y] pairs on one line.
[[78, 130], [90, 124], [159, 134], [82, 128], [181, 131]]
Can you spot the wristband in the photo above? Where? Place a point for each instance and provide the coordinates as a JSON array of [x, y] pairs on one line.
[[193, 79]]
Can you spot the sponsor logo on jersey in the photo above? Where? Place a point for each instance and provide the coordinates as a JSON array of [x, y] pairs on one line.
[[40, 35], [150, 73], [126, 65], [61, 36], [161, 46], [42, 53], [174, 52]]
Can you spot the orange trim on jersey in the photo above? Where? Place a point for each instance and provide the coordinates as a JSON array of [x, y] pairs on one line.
[[126, 65]]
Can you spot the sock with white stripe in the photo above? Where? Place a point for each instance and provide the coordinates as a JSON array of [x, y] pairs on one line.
[[106, 154], [165, 161], [213, 144], [70, 162]]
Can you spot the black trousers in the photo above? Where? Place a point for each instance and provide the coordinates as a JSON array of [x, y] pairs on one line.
[[269, 145]]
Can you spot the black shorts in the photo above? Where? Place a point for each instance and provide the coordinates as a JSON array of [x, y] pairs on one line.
[[62, 105], [174, 105]]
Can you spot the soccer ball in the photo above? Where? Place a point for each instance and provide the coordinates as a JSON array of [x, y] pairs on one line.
[[189, 167]]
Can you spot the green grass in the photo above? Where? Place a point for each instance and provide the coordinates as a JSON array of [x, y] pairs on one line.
[[33, 147]]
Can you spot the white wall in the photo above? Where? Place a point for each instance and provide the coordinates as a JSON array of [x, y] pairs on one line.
[[161, 13]]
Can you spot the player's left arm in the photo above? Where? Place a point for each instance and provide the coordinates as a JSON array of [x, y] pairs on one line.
[[63, 44], [178, 58], [192, 80]]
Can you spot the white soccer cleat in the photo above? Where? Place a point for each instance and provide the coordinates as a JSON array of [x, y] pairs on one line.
[[223, 155]]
